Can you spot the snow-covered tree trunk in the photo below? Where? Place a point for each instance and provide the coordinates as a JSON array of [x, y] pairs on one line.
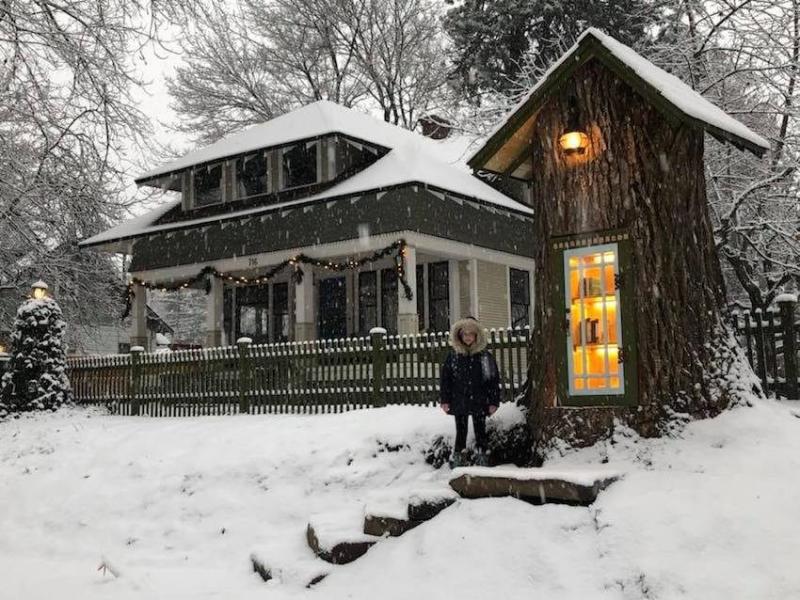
[[643, 174]]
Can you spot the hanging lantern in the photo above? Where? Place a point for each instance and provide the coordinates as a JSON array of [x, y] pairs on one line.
[[39, 290], [574, 140]]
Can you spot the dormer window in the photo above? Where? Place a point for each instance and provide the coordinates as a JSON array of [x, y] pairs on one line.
[[207, 184], [300, 165], [252, 176]]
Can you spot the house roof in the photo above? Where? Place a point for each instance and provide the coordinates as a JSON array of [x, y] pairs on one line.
[[411, 159], [666, 92]]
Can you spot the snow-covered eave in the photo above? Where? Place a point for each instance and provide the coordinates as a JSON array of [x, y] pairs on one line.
[[112, 243], [595, 44]]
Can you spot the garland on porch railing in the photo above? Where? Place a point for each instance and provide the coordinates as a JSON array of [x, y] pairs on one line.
[[397, 250]]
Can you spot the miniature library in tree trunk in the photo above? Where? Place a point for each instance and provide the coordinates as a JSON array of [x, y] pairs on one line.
[[629, 319]]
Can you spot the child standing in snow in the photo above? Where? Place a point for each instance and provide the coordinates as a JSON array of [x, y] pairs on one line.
[[470, 385]]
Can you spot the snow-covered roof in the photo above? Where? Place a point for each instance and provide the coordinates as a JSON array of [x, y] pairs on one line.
[[310, 121], [631, 65], [412, 158]]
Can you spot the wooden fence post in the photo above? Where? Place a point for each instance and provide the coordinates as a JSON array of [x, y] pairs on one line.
[[244, 344], [378, 338], [136, 379], [788, 304]]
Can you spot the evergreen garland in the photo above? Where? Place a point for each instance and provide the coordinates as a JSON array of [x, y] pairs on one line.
[[397, 250]]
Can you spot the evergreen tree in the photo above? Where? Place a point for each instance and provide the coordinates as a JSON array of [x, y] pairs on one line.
[[491, 38], [36, 377]]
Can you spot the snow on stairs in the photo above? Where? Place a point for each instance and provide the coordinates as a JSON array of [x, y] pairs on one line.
[[578, 487], [331, 540], [334, 538]]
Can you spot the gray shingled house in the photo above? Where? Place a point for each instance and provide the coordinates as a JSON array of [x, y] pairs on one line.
[[329, 192]]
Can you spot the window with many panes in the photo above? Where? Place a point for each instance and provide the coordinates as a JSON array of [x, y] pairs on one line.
[[280, 312], [300, 165], [594, 337], [519, 283], [389, 300], [367, 301], [438, 296], [252, 313], [207, 185], [421, 296], [251, 175]]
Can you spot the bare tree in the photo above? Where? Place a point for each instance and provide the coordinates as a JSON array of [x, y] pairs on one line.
[[745, 56], [66, 118], [250, 61]]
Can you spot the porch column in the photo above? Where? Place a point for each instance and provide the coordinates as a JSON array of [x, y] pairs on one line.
[[407, 322], [138, 327], [304, 329], [214, 313]]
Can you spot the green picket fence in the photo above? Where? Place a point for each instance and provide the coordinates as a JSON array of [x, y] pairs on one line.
[[771, 340], [319, 376]]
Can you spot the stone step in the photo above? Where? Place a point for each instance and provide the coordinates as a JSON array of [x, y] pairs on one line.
[[336, 539], [578, 487], [392, 519]]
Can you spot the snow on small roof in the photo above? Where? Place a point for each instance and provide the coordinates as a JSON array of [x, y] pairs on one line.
[[675, 91], [310, 121], [412, 159]]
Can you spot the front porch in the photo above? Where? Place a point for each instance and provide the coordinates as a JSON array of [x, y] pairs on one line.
[[447, 280]]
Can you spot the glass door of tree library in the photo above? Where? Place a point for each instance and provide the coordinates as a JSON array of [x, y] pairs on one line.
[[597, 332]]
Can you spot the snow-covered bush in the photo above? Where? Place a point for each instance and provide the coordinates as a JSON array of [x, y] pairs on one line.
[[509, 440], [36, 376]]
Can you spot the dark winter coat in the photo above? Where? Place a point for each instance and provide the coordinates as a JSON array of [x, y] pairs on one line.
[[470, 381]]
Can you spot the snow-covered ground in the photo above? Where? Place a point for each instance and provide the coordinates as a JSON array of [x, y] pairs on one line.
[[177, 506]]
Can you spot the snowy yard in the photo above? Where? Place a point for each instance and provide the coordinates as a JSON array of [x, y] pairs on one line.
[[177, 506]]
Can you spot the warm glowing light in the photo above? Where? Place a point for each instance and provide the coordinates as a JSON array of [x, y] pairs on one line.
[[39, 290], [574, 142], [2, 349]]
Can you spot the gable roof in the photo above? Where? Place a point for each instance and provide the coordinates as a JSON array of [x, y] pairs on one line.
[[411, 159], [666, 92]]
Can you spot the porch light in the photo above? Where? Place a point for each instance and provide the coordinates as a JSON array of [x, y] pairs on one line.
[[573, 140], [39, 290]]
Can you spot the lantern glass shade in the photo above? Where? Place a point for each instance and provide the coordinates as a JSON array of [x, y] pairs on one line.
[[574, 142], [39, 290]]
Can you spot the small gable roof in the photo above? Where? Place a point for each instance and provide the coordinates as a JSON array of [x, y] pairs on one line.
[[665, 91]]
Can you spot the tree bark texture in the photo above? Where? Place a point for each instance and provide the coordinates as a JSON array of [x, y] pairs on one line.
[[642, 173]]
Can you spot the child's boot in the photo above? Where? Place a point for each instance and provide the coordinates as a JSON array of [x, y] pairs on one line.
[[481, 460]]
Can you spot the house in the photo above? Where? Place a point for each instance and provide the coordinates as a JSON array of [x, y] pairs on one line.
[[324, 223], [104, 334], [107, 334]]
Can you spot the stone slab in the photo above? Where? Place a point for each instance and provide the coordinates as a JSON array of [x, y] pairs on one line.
[[381, 526], [539, 486], [339, 552]]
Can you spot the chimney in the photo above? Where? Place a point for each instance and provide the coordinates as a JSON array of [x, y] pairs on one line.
[[435, 127]]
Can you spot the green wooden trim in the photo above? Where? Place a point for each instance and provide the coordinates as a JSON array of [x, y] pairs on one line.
[[557, 246], [591, 48]]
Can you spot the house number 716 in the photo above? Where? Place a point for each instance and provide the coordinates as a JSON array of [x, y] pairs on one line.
[[253, 262]]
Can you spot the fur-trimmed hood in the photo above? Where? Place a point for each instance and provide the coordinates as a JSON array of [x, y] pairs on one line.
[[455, 336]]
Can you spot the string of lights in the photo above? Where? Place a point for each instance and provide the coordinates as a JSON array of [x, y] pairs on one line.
[[397, 250]]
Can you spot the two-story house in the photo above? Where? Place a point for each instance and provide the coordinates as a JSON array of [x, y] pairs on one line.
[[294, 226]]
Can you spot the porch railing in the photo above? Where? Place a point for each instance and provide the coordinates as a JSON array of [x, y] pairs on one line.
[[771, 340], [296, 377]]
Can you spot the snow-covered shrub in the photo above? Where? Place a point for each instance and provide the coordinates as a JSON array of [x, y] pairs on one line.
[[509, 440], [36, 376]]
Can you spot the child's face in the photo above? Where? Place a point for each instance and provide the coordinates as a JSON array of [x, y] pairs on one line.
[[468, 337]]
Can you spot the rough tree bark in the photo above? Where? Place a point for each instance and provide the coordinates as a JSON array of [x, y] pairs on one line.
[[643, 173]]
